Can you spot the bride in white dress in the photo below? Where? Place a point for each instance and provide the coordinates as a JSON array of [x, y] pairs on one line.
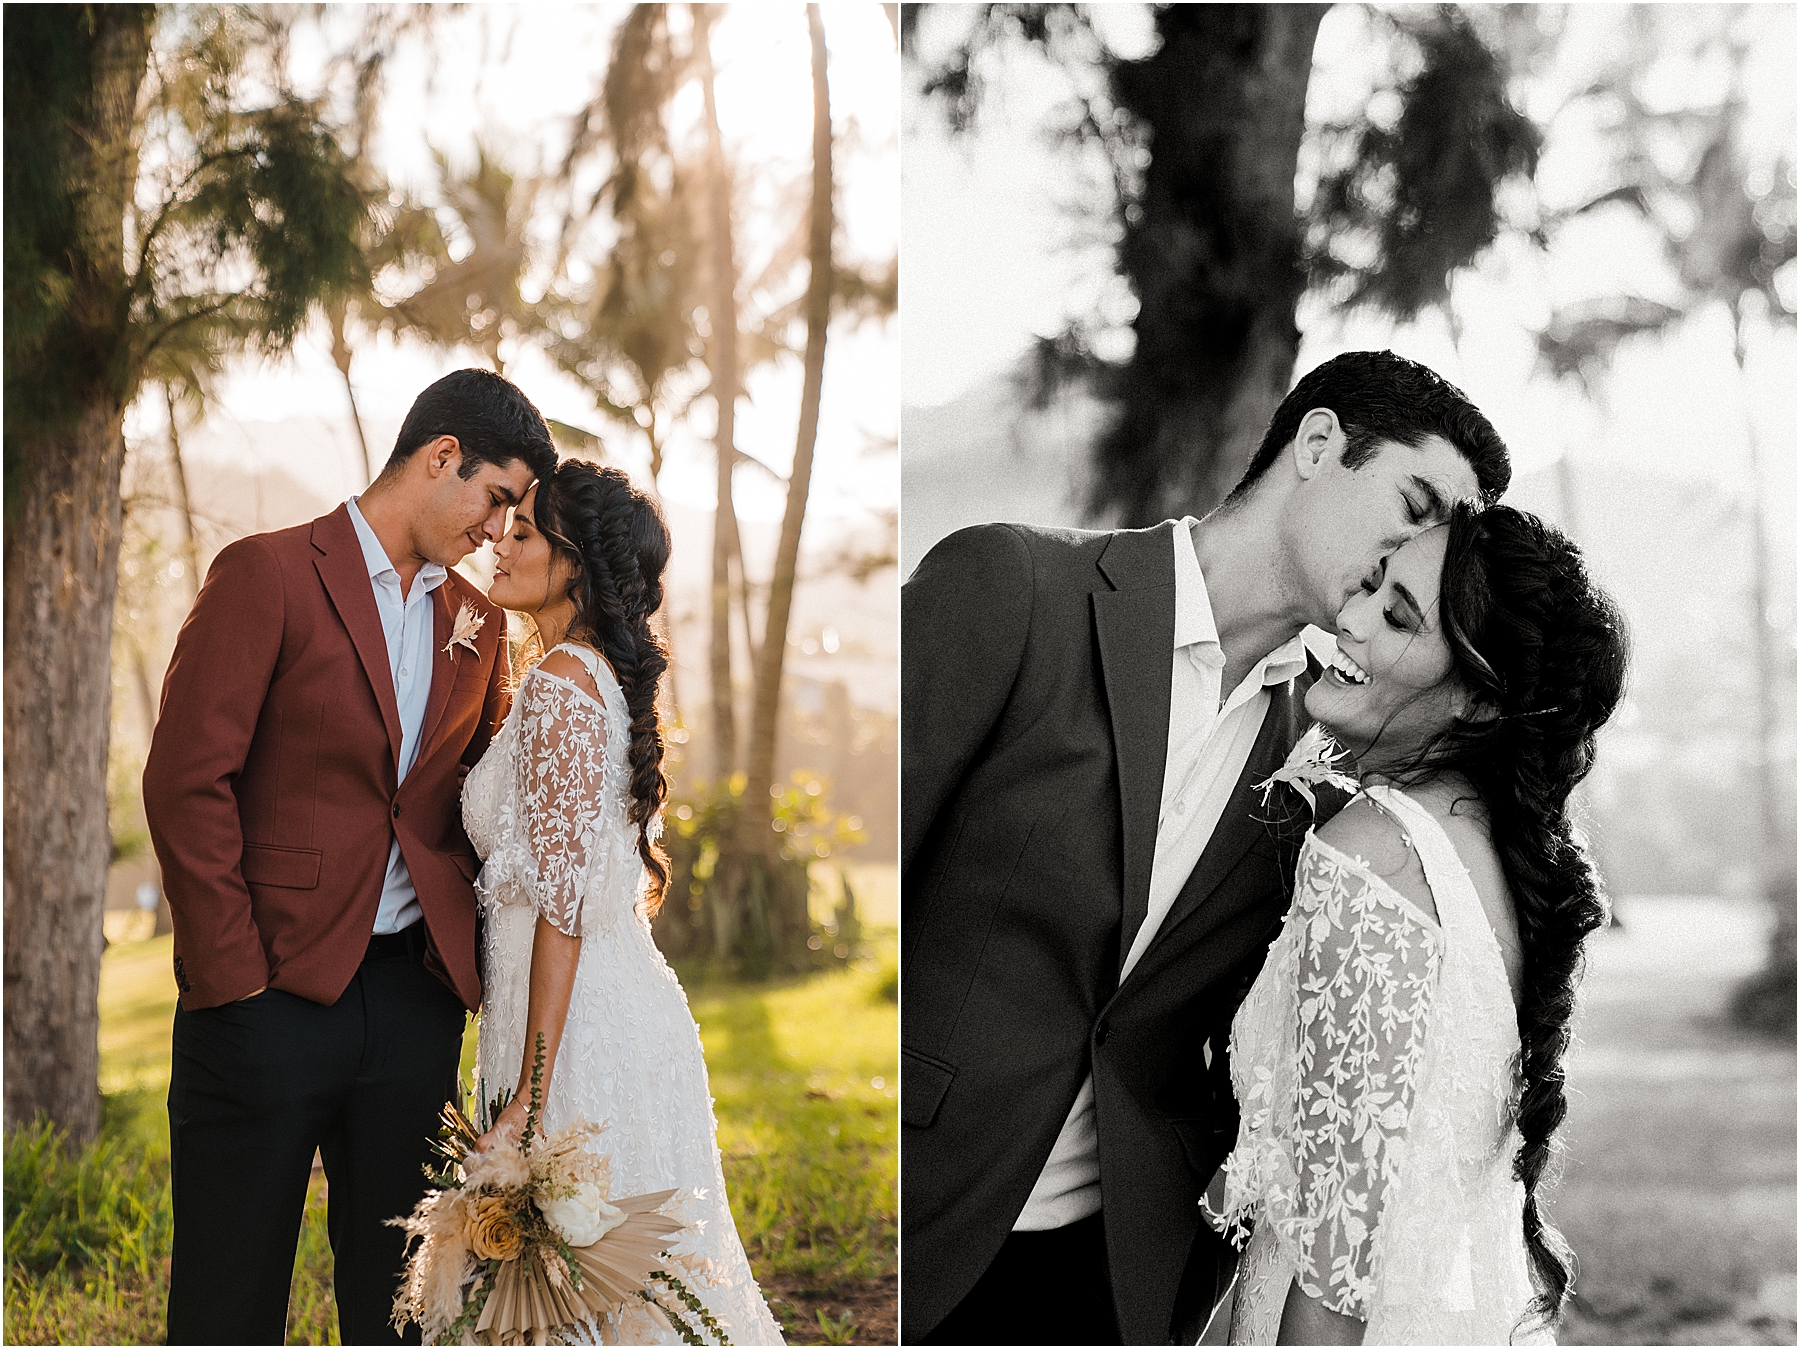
[[1398, 1062], [564, 809]]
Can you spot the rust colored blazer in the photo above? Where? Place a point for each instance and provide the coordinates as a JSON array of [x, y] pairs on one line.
[[271, 786]]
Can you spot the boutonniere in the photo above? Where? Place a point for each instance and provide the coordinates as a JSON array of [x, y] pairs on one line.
[[462, 633], [1309, 765]]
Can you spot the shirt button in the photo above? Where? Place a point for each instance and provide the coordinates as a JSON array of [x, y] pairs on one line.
[[405, 673]]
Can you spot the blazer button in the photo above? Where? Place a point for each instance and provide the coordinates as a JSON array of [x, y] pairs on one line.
[[1100, 1032], [396, 811]]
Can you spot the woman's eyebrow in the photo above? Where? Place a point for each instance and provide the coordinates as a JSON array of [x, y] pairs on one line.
[[1417, 608]]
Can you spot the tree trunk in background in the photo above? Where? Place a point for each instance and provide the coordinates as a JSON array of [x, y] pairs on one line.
[[723, 313], [190, 543], [756, 841], [341, 355], [62, 568], [1212, 249], [743, 592], [61, 556], [1776, 845]]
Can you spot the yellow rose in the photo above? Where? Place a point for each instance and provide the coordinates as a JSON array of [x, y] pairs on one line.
[[493, 1229]]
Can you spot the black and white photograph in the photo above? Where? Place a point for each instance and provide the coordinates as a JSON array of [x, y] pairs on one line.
[[1347, 674]]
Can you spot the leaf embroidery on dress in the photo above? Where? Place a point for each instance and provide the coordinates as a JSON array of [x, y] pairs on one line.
[[546, 810], [1375, 1063]]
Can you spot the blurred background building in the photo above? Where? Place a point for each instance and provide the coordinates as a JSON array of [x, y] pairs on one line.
[[1128, 229]]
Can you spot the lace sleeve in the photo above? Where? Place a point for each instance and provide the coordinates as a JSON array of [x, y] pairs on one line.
[[1367, 968], [562, 767]]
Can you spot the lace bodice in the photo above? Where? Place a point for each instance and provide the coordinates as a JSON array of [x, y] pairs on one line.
[[1375, 1063], [545, 809], [548, 816]]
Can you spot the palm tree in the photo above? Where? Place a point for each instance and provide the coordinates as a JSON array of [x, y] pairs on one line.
[[754, 846]]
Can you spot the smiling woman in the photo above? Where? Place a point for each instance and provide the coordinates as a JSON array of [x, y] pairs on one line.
[[1386, 688]]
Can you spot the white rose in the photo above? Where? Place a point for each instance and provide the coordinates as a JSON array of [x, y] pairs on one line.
[[582, 1218]]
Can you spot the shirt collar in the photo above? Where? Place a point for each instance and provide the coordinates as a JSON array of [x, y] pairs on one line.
[[431, 575], [1195, 624]]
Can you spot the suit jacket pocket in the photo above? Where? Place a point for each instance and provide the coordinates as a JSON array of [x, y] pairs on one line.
[[923, 1082], [290, 868]]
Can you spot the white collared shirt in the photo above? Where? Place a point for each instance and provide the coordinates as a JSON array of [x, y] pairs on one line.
[[1209, 744], [409, 626]]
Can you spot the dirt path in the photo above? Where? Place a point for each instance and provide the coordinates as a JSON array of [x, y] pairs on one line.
[[1678, 1194], [866, 1313]]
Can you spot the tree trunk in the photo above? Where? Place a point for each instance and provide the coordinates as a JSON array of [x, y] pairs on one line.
[[190, 543], [756, 841], [1212, 250], [1774, 846], [743, 576], [341, 356], [62, 560], [723, 312], [64, 518]]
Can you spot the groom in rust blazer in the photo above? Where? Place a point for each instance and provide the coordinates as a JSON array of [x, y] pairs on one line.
[[302, 791]]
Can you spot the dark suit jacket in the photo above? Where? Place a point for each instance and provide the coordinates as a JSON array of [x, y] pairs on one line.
[[271, 786], [1035, 727]]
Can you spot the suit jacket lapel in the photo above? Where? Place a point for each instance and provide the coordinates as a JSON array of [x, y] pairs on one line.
[[443, 665], [345, 573], [1241, 824], [1135, 624]]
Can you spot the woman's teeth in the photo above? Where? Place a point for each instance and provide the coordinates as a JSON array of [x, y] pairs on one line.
[[1348, 670]]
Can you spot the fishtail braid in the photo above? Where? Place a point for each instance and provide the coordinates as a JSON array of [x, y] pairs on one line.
[[1544, 652], [617, 536]]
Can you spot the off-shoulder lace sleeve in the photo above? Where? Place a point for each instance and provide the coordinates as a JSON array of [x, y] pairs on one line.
[[562, 763], [1366, 972]]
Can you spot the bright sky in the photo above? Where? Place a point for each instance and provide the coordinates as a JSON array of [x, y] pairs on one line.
[[994, 255], [513, 74]]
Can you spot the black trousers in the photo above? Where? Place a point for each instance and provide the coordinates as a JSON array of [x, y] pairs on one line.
[[254, 1088], [1049, 1287]]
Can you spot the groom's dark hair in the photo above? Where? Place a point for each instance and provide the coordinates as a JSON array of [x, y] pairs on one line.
[[1379, 397], [491, 418]]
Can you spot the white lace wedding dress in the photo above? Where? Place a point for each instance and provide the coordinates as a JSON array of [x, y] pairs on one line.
[[1375, 1063], [545, 809]]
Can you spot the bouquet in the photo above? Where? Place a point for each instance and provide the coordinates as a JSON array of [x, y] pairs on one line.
[[519, 1243]]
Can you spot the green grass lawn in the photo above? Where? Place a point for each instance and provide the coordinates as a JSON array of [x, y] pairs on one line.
[[803, 1072]]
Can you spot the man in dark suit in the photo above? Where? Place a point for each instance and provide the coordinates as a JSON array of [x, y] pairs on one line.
[[1088, 889], [303, 794]]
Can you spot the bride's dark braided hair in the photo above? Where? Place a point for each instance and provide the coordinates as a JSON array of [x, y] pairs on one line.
[[616, 534], [1535, 640]]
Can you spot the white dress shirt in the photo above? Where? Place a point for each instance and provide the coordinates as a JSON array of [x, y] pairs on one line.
[[409, 626], [1209, 744]]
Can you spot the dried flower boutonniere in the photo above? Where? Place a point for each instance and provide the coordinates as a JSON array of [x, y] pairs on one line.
[[1309, 765], [468, 623]]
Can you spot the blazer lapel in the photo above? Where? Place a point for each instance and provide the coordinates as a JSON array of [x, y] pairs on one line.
[[1240, 825], [345, 573], [443, 666], [1135, 625]]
